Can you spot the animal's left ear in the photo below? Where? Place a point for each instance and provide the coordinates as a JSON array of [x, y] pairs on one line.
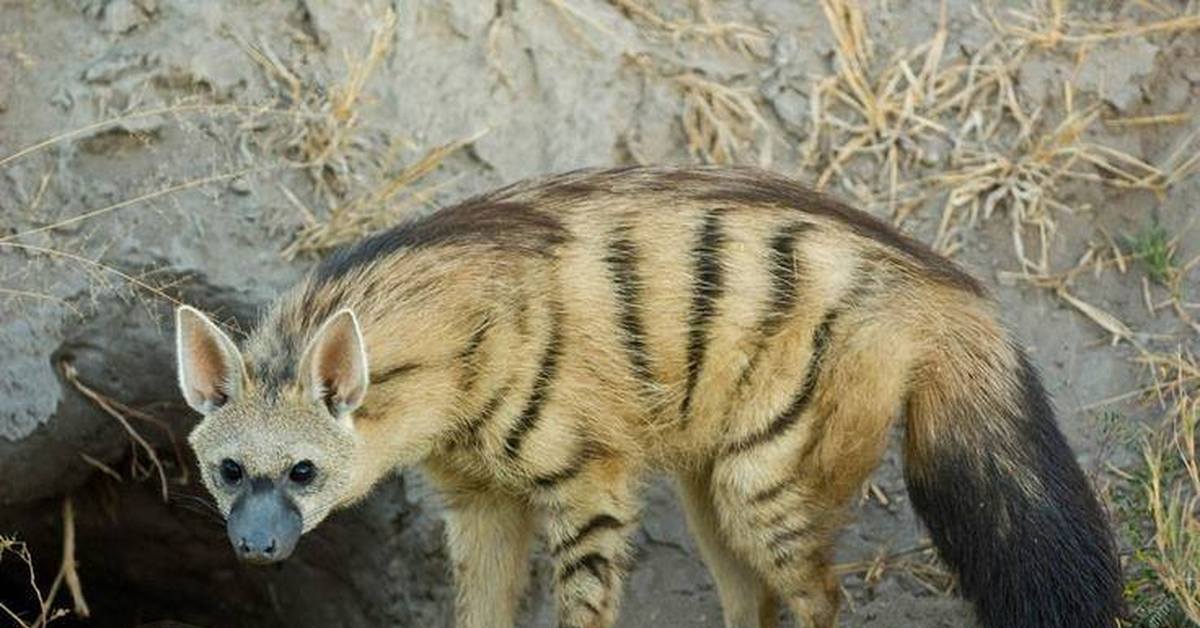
[[335, 365]]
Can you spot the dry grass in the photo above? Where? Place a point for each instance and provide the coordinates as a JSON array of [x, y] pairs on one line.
[[141, 198], [323, 137], [920, 562], [703, 28], [721, 124], [871, 126], [99, 272], [573, 16], [1027, 177], [1158, 503], [373, 209], [1174, 508], [1049, 24], [315, 130], [1166, 571], [359, 186]]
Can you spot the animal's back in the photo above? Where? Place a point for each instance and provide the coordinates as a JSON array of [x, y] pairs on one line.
[[698, 296]]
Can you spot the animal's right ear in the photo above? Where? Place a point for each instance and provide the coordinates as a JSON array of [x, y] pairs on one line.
[[211, 371]]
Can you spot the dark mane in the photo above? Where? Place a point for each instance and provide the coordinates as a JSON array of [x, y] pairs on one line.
[[481, 220], [511, 218]]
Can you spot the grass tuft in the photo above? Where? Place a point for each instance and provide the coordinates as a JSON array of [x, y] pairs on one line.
[[1152, 248], [877, 127], [721, 124], [748, 40], [1158, 500]]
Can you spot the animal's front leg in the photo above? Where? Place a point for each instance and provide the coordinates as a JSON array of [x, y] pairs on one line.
[[488, 534], [590, 518]]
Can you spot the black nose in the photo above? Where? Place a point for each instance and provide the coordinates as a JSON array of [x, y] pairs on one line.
[[263, 525], [258, 551]]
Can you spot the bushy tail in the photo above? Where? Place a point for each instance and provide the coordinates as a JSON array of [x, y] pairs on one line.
[[1007, 505]]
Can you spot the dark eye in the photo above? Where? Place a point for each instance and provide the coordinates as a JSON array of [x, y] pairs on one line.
[[231, 472], [303, 472]]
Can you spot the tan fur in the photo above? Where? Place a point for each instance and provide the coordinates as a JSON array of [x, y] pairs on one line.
[[514, 380]]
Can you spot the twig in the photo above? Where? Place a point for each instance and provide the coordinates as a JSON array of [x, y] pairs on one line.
[[135, 115], [72, 376], [79, 259], [186, 185], [67, 571], [101, 467]]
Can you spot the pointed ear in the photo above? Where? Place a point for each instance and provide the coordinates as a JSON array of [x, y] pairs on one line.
[[211, 371], [335, 365]]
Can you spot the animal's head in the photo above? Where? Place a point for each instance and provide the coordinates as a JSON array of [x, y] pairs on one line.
[[276, 462]]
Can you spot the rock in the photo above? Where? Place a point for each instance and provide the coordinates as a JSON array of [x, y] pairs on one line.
[[792, 107], [123, 16], [1040, 79], [466, 18], [241, 186], [117, 64], [1115, 70], [28, 391]]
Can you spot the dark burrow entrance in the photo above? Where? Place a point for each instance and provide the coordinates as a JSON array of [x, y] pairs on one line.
[[143, 562]]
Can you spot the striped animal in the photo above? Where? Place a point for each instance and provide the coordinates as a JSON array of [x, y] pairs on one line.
[[539, 349]]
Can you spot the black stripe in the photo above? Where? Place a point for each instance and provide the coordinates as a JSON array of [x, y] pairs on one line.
[[771, 492], [622, 260], [861, 291], [489, 410], [784, 274], [541, 387], [785, 419], [467, 355], [522, 313], [708, 284], [568, 472], [393, 372], [812, 557], [597, 523], [778, 519], [593, 562], [787, 536]]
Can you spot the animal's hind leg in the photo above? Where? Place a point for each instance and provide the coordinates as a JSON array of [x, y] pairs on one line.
[[786, 533], [781, 508], [746, 601], [815, 590], [782, 484]]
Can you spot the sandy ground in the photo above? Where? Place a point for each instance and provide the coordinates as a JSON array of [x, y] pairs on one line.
[[201, 200]]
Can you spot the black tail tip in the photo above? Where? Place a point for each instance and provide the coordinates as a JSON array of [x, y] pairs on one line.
[[1013, 514]]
